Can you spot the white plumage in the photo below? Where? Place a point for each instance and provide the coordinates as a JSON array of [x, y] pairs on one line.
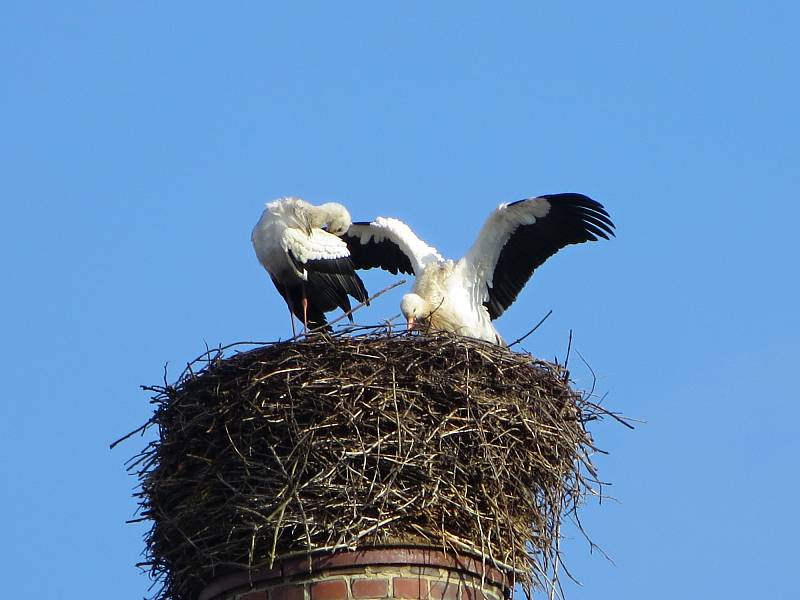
[[299, 246], [465, 296]]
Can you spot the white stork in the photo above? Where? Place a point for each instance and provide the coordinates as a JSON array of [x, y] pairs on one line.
[[465, 296], [299, 245]]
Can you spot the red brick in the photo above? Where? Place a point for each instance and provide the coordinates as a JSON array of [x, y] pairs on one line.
[[254, 596], [410, 587], [370, 588], [472, 593], [444, 590], [287, 592], [334, 589]]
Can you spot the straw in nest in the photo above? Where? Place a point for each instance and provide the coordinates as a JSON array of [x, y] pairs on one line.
[[358, 441]]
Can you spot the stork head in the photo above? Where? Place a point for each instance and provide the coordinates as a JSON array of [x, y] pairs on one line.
[[333, 217], [416, 310]]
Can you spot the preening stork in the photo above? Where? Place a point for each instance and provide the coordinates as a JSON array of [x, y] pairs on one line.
[[465, 296], [299, 245]]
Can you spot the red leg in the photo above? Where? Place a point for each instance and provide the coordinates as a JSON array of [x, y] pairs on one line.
[[305, 311], [291, 319]]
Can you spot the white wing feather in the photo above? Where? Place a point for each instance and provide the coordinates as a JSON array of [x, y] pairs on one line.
[[320, 245], [395, 231], [478, 265]]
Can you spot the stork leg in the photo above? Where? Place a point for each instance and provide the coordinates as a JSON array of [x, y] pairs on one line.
[[305, 311], [291, 319]]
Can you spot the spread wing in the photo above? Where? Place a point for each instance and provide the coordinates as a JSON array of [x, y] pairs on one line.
[[518, 237], [388, 244]]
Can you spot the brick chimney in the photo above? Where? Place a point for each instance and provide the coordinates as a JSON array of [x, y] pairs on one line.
[[390, 572]]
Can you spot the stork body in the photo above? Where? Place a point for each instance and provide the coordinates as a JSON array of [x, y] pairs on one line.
[[441, 301], [299, 246], [465, 296]]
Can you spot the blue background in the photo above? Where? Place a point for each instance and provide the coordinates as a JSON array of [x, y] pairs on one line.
[[140, 141]]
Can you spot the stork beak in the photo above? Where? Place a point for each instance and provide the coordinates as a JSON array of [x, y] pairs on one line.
[[410, 323]]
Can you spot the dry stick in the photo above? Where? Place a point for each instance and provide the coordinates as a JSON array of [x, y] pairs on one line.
[[218, 354], [367, 301], [591, 370], [617, 417], [134, 432], [384, 328], [592, 546], [543, 319], [566, 359], [554, 582], [352, 310]]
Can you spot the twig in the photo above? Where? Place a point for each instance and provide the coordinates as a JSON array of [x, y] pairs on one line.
[[542, 320], [566, 358], [132, 433], [358, 306]]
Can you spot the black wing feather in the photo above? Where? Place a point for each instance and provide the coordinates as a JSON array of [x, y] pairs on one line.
[[572, 219], [384, 254], [293, 295], [327, 285]]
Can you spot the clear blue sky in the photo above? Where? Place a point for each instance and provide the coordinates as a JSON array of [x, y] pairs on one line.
[[139, 142]]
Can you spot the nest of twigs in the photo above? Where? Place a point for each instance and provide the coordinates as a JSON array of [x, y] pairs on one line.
[[348, 442]]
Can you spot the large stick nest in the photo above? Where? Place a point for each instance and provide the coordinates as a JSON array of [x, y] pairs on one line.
[[349, 442]]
